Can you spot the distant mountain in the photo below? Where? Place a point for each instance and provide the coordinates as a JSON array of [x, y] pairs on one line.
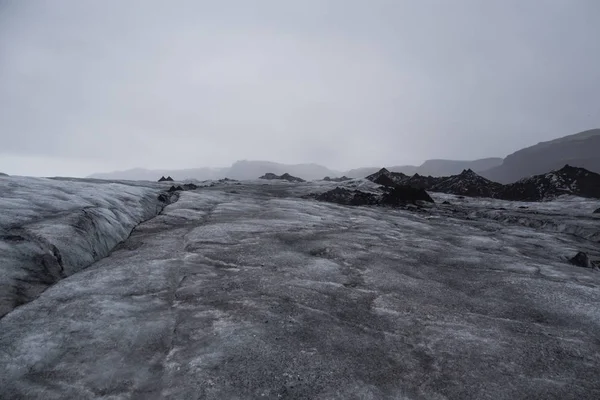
[[241, 170], [404, 169], [431, 168], [452, 167], [364, 172], [579, 150], [361, 172], [141, 174], [245, 170]]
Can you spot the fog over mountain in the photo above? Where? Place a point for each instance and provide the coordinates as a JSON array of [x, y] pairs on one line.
[[580, 150], [244, 170], [89, 87]]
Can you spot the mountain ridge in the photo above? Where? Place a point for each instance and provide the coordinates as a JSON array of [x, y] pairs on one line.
[[248, 170], [579, 150]]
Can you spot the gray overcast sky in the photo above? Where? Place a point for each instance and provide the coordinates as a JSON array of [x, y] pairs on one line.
[[91, 86]]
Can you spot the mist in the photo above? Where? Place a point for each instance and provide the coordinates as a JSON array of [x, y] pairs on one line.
[[97, 86]]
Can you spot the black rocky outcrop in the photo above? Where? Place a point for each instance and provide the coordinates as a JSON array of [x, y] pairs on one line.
[[382, 171], [424, 182], [567, 180], [179, 188], [468, 183], [284, 177], [270, 176], [3, 174], [402, 194], [290, 178], [340, 179], [597, 211], [582, 260], [397, 177], [175, 189], [163, 179], [394, 196], [385, 180], [348, 197]]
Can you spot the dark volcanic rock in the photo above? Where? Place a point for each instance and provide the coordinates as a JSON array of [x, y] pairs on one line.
[[341, 179], [348, 197], [385, 180], [468, 183], [291, 178], [285, 177], [597, 211], [377, 174], [582, 260], [270, 176], [338, 195], [400, 195], [363, 199], [162, 179], [169, 179], [187, 186], [446, 202], [397, 177], [424, 182], [567, 180], [395, 196], [163, 198]]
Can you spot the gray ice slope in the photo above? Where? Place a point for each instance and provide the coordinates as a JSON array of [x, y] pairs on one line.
[[50, 229], [249, 291]]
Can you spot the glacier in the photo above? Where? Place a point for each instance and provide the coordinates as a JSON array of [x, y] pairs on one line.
[[50, 229], [250, 289]]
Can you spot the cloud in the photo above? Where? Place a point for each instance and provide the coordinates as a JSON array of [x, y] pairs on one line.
[[342, 83]]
